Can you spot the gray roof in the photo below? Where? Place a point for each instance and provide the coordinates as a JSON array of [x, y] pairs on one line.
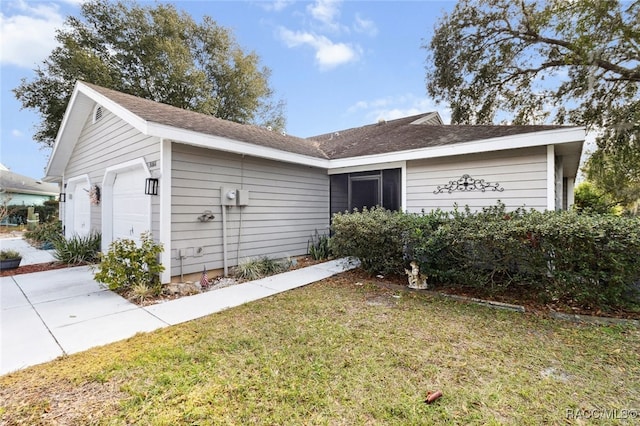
[[408, 133], [19, 184], [156, 112]]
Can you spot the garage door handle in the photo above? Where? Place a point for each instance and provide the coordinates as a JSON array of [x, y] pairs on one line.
[[131, 231]]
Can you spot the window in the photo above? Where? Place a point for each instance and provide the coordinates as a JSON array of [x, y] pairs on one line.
[[365, 189]]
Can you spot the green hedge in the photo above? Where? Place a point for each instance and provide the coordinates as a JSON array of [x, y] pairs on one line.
[[46, 212], [591, 260]]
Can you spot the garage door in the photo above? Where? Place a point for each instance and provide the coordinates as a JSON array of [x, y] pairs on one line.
[[131, 207], [78, 213]]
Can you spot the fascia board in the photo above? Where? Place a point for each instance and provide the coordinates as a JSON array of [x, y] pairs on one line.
[[50, 171], [363, 168], [230, 145], [134, 120], [83, 99], [525, 140], [10, 190]]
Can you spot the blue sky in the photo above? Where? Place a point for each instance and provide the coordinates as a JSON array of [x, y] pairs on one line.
[[336, 64]]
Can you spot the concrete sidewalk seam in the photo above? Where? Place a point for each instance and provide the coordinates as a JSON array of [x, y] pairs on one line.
[[46, 326]]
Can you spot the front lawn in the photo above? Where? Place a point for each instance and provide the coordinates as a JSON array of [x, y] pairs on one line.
[[342, 351]]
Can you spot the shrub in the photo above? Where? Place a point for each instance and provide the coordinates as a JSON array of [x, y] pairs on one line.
[[374, 236], [127, 265], [583, 259], [319, 247], [17, 213], [78, 250], [45, 234], [256, 268]]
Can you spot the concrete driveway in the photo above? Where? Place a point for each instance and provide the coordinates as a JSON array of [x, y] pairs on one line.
[[48, 314]]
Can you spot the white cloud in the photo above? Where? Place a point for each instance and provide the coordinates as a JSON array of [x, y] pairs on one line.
[[28, 37], [325, 11], [393, 107], [365, 26], [16, 133], [328, 54]]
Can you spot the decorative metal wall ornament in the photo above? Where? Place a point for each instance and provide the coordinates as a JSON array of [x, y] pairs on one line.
[[467, 183]]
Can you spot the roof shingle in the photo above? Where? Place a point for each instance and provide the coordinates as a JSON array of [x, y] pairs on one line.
[[381, 138]]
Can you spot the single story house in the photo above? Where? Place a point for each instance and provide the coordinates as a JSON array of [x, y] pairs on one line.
[[20, 190], [215, 192]]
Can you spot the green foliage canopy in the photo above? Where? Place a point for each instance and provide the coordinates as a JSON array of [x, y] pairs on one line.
[[155, 53], [529, 62]]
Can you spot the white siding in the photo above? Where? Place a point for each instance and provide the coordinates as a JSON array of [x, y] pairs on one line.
[[522, 173], [109, 142], [288, 203]]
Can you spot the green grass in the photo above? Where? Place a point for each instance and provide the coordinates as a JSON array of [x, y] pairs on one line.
[[339, 353]]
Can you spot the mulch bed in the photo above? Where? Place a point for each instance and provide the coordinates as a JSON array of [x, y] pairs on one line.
[[39, 267], [397, 282]]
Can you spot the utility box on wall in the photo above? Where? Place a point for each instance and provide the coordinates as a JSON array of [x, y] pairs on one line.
[[243, 197]]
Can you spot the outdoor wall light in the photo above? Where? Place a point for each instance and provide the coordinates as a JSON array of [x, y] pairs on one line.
[[207, 216], [151, 186], [62, 197]]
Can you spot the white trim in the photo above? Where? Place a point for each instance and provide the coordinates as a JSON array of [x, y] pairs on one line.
[[403, 187], [110, 174], [571, 199], [368, 167], [541, 138], [551, 177], [165, 208], [114, 108], [524, 140], [69, 217], [220, 143]]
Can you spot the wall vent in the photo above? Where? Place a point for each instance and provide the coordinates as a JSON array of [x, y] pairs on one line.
[[97, 114]]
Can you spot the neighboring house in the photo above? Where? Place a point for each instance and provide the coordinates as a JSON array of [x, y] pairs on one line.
[[21, 190], [214, 192]]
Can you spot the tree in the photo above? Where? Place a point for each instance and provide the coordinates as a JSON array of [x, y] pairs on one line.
[[531, 62], [155, 53], [589, 200]]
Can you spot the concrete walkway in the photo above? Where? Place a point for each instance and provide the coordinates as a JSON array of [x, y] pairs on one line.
[[45, 315], [30, 255]]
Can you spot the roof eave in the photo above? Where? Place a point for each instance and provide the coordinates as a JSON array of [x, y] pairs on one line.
[[231, 145], [524, 140], [80, 105]]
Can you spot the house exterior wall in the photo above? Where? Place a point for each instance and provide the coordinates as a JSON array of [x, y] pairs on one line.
[[110, 142], [521, 172], [287, 204], [17, 199]]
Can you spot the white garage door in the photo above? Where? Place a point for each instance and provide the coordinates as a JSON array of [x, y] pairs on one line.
[[131, 207], [78, 217]]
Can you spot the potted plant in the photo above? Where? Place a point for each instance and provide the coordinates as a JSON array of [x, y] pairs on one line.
[[9, 259]]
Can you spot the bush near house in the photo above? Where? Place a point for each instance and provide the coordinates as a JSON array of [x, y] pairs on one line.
[[18, 213], [78, 250], [45, 234], [590, 260], [126, 265]]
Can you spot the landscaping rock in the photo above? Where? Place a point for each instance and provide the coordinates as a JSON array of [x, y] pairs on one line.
[[183, 289]]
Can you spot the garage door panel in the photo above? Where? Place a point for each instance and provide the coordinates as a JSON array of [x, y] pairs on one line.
[[131, 207], [78, 217]]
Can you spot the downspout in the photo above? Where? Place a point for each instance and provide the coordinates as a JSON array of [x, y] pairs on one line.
[[224, 241]]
